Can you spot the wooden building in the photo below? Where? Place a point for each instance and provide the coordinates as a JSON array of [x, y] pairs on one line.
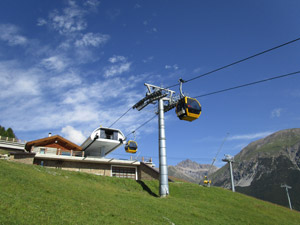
[[58, 152]]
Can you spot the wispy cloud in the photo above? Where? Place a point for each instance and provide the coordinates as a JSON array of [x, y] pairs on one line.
[[57, 63], [112, 14], [18, 82], [137, 6], [174, 67], [117, 69], [68, 79], [149, 59], [93, 4], [69, 20], [91, 39], [53, 92], [120, 65], [71, 23], [117, 58], [276, 113], [10, 34], [250, 136]]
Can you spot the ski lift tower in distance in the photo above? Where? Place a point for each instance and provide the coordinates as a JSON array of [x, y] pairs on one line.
[[161, 95], [230, 160], [287, 193]]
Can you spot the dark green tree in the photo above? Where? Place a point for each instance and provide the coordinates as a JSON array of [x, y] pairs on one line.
[[10, 133], [2, 131], [7, 133]]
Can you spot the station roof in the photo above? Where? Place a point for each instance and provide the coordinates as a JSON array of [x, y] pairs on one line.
[[56, 139]]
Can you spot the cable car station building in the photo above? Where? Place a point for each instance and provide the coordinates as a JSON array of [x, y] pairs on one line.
[[58, 152]]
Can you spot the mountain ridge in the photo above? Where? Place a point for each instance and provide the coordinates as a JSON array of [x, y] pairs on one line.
[[262, 166]]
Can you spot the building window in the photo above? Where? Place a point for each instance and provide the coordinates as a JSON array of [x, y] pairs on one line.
[[66, 153], [42, 151], [124, 172]]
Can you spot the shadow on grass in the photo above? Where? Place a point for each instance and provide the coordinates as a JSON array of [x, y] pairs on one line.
[[146, 188]]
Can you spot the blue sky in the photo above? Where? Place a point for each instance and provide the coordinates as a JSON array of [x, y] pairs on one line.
[[67, 67]]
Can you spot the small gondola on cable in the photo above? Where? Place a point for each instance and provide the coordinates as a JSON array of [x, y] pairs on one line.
[[131, 146], [187, 108]]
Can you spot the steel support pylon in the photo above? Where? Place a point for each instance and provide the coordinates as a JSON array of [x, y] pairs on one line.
[[287, 193], [231, 175], [163, 167]]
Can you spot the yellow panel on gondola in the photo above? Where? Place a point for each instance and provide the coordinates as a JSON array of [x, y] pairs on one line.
[[131, 147], [188, 109]]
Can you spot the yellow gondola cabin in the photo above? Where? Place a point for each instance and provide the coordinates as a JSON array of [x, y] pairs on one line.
[[131, 147], [188, 109]]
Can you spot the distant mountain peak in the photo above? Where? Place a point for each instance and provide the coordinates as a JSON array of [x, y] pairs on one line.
[[190, 170]]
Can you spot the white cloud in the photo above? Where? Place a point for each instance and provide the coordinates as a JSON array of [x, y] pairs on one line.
[[16, 81], [117, 58], [137, 6], [10, 34], [117, 69], [112, 14], [149, 59], [175, 67], [65, 80], [69, 21], [91, 39], [73, 135], [100, 92], [276, 113], [250, 136], [57, 63], [197, 70], [92, 3], [76, 96], [41, 22]]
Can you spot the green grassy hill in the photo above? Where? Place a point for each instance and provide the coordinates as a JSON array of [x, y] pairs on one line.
[[35, 195]]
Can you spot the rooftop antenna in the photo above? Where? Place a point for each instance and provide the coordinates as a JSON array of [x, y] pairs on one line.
[[287, 193], [230, 160]]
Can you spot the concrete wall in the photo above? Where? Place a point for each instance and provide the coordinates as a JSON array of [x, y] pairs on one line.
[[93, 168], [26, 158], [146, 172]]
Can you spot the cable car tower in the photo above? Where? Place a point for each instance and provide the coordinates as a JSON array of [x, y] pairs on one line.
[[163, 96], [187, 109]]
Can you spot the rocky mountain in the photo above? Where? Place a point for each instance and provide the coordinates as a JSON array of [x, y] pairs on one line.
[[261, 167], [190, 171]]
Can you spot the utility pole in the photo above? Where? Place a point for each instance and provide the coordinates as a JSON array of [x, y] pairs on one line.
[[161, 95], [287, 193], [230, 160]]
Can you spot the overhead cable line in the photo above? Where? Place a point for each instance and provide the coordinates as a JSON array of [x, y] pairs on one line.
[[248, 84], [239, 61], [224, 90], [141, 125], [218, 69], [221, 68], [120, 117]]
